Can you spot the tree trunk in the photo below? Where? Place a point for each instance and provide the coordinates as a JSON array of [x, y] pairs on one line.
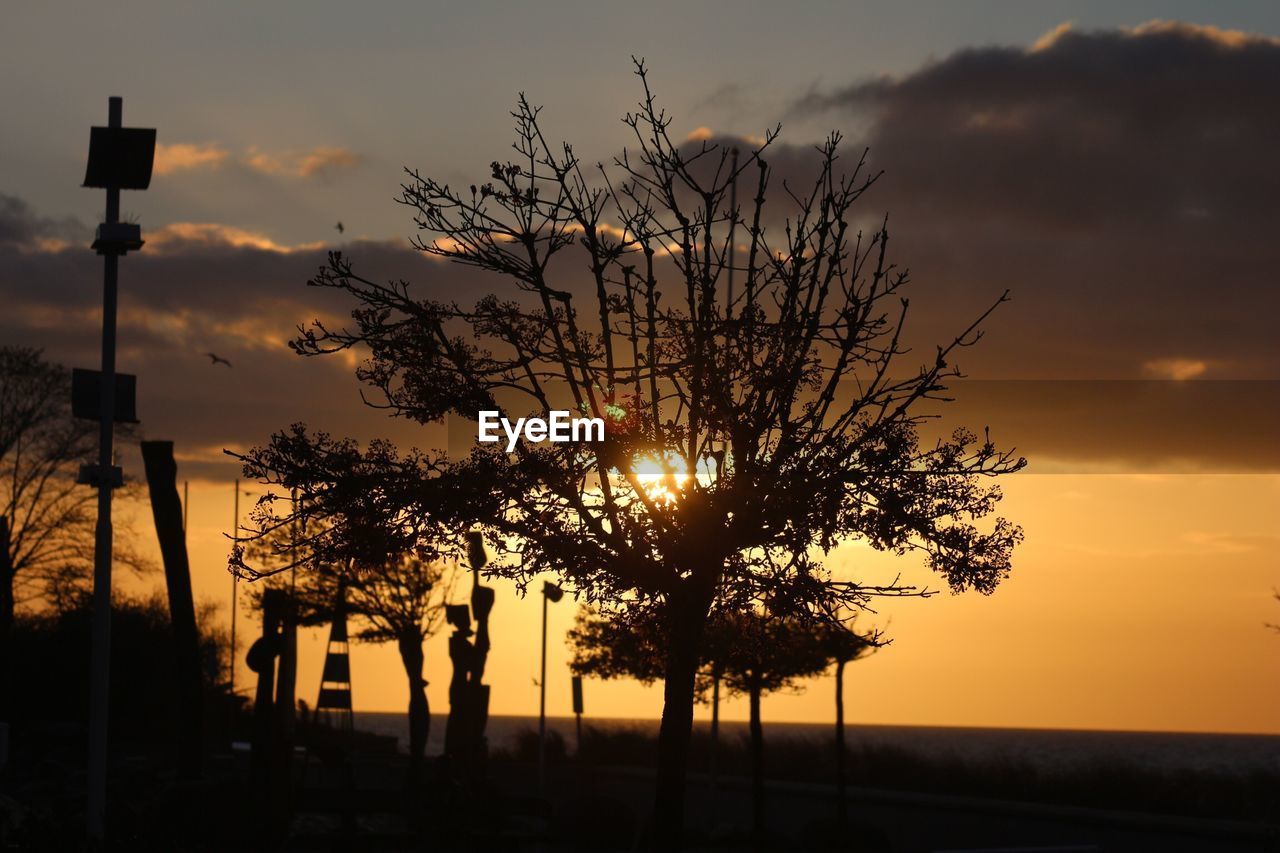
[[841, 813], [411, 655], [6, 618], [715, 726], [6, 580], [757, 769], [262, 660], [686, 619]]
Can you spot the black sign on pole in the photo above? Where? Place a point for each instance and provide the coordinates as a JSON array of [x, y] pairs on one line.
[[577, 694], [120, 157], [86, 396]]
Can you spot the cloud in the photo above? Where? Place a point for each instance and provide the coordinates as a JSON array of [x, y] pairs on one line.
[[196, 288], [314, 163], [1121, 183], [188, 156], [199, 287], [1223, 38], [1177, 369], [178, 236], [1088, 129], [323, 160], [1118, 426], [1046, 41], [22, 229], [319, 162]]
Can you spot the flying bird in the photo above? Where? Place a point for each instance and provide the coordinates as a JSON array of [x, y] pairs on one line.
[[217, 359], [341, 229]]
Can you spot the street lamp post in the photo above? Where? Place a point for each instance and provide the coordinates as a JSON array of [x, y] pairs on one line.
[[119, 158], [235, 589], [577, 712], [550, 592]]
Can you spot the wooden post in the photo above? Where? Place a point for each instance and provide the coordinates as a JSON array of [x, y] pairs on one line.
[[285, 708], [842, 814], [167, 509]]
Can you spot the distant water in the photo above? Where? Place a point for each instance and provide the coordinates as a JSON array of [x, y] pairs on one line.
[[1043, 748]]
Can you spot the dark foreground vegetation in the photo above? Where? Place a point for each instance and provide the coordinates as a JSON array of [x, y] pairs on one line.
[[350, 794], [1115, 784]]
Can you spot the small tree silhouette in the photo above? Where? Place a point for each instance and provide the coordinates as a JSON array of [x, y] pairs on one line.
[[767, 655], [843, 646], [750, 428], [752, 653], [401, 599], [628, 646], [47, 520]]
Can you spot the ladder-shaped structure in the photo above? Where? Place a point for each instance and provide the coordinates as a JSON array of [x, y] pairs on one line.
[[332, 721], [333, 705]]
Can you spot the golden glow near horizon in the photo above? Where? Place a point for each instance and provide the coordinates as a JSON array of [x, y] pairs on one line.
[[1138, 601], [662, 476]]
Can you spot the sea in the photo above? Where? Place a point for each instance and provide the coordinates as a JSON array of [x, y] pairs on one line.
[[1048, 749]]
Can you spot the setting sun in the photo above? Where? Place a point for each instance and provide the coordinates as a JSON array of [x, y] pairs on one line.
[[662, 476]]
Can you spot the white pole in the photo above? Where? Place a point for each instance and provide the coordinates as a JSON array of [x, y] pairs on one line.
[[100, 656], [542, 703], [235, 586]]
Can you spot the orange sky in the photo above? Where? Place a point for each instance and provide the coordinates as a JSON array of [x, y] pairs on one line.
[[1138, 601], [1129, 222]]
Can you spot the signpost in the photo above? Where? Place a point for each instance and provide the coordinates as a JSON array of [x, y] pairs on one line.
[[550, 592], [577, 707], [86, 396], [120, 158]]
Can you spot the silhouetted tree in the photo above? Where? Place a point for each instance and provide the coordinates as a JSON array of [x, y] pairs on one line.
[[751, 652], [400, 600], [46, 519], [628, 646], [842, 645], [768, 654], [52, 668], [631, 644], [750, 430]]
